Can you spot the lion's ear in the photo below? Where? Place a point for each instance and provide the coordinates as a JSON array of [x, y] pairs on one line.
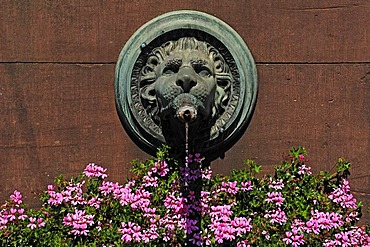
[[219, 95], [147, 92]]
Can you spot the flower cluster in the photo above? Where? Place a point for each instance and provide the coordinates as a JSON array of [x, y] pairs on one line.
[[71, 194], [170, 203], [13, 213], [304, 170], [79, 220], [224, 227], [35, 223], [276, 216], [12, 210], [318, 223], [93, 170], [354, 237], [343, 196]]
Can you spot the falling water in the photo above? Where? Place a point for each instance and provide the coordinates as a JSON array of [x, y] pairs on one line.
[[186, 139]]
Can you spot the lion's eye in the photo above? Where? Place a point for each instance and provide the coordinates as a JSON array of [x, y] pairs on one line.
[[170, 70], [205, 73], [202, 71]]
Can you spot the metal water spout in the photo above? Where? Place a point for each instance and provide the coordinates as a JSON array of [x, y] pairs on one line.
[[186, 107], [186, 113]]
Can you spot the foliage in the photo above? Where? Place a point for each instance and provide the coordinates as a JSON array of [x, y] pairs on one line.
[[170, 202]]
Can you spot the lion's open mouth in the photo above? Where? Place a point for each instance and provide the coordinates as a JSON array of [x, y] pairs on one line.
[[185, 107], [186, 113]]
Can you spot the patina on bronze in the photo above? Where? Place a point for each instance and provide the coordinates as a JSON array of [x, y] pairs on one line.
[[186, 67], [185, 81]]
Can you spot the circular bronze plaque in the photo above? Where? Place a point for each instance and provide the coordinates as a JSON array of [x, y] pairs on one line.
[[148, 87]]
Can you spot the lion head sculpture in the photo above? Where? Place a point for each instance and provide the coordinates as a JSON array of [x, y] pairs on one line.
[[186, 80]]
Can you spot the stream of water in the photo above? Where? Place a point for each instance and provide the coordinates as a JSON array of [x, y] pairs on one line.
[[186, 140]]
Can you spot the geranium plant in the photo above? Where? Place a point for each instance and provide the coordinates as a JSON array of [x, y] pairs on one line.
[[170, 203]]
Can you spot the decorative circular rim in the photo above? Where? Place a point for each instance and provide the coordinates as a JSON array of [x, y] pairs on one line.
[[186, 20]]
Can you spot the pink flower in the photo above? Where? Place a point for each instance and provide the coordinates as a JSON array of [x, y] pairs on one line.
[[229, 187], [79, 220], [160, 168], [288, 239], [222, 212], [16, 197], [95, 202], [3, 220], [131, 232], [93, 170], [109, 187], [246, 186], [149, 181], [21, 215], [55, 198], [167, 237], [150, 234], [32, 223], [276, 185], [276, 216], [222, 231], [241, 225], [40, 222], [206, 173], [73, 193], [150, 212], [304, 170], [355, 237], [12, 217], [275, 197], [343, 196], [323, 221], [140, 200], [242, 243], [265, 233], [301, 157], [174, 202]]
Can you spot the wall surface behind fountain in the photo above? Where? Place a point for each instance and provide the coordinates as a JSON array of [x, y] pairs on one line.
[[57, 65]]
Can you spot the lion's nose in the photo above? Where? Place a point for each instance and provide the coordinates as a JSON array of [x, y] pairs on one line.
[[186, 79]]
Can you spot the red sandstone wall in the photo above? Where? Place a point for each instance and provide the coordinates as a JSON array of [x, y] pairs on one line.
[[57, 61]]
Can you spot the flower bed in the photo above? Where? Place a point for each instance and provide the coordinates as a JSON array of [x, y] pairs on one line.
[[169, 203]]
